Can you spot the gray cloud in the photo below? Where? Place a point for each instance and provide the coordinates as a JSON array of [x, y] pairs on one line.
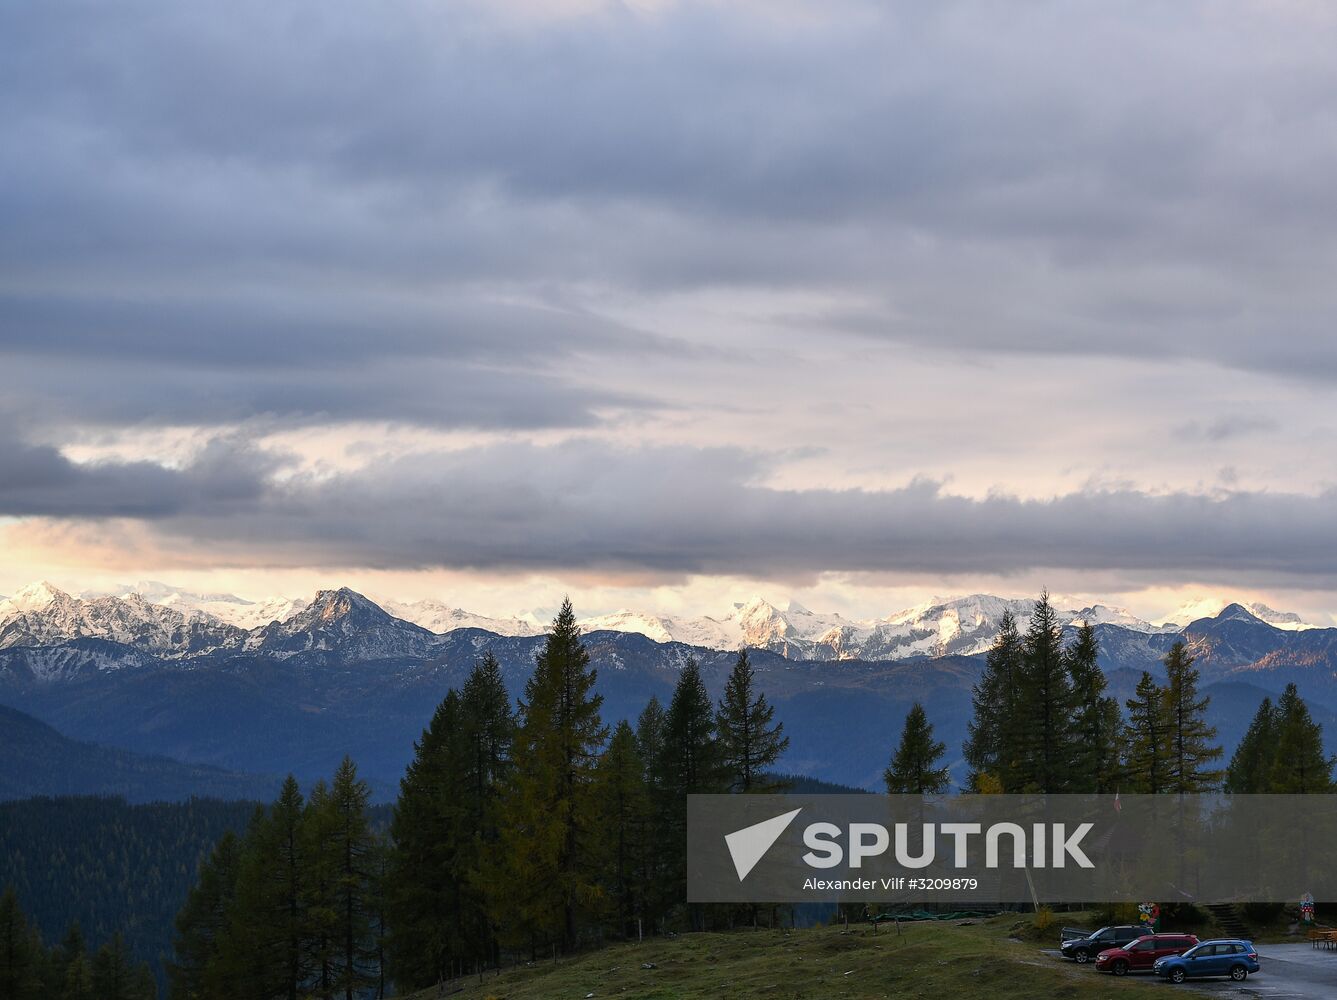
[[670, 512], [226, 477], [1055, 181], [451, 216]]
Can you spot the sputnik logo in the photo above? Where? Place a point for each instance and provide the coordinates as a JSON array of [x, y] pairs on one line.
[[750, 844]]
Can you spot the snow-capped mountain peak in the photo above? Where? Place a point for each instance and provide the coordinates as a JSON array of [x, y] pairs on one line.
[[1211, 607], [34, 597]]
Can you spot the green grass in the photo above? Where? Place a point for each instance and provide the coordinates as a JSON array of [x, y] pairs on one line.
[[929, 960]]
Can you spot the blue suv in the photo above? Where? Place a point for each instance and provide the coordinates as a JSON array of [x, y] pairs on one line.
[[1222, 957]]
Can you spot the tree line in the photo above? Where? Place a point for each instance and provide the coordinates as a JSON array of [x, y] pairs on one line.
[[1042, 721], [520, 831], [69, 971]]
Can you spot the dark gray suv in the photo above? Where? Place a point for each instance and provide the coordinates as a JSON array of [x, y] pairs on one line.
[[1082, 949]]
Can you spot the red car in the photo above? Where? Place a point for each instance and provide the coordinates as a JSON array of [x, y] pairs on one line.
[[1141, 955]]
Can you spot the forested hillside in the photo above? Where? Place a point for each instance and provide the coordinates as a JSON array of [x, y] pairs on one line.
[[37, 760]]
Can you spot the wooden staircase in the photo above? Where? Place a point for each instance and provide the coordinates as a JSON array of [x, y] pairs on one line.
[[1228, 918]]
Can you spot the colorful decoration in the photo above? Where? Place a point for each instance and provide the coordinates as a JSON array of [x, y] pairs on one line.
[[1149, 915], [1307, 908]]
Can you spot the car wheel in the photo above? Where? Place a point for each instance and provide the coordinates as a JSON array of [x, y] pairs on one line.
[[1177, 975], [1120, 968], [1082, 956], [1238, 973]]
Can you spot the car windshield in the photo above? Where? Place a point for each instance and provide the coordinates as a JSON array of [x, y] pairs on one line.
[[1103, 932], [1193, 951]]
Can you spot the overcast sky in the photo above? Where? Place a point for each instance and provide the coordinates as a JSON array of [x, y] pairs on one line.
[[665, 304]]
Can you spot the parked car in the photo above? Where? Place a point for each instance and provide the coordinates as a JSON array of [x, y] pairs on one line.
[[1225, 957], [1082, 949], [1141, 955]]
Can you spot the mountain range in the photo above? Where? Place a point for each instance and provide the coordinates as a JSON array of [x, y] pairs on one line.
[[343, 674], [171, 622]]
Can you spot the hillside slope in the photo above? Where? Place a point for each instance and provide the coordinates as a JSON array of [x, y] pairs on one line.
[[925, 960], [37, 760]]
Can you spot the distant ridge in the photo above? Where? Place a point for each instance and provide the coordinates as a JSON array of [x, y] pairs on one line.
[[37, 760], [169, 622]]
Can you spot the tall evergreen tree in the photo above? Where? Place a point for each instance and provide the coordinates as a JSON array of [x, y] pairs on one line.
[[655, 869], [320, 891], [194, 972], [1250, 769], [424, 893], [650, 727], [914, 766], [751, 741], [113, 977], [993, 742], [1300, 765], [353, 846], [19, 959], [1146, 739], [623, 807], [548, 841], [692, 759], [261, 951], [72, 977], [1191, 746], [692, 762], [488, 730], [1097, 721], [1047, 737], [77, 979]]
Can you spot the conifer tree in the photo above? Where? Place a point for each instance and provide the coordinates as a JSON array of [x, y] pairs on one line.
[[993, 741], [623, 807], [112, 976], [203, 922], [19, 960], [548, 842], [1047, 737], [77, 979], [1299, 766], [650, 738], [352, 845], [72, 977], [1191, 747], [488, 731], [913, 769], [260, 950], [1250, 769], [655, 870], [424, 894], [692, 760], [1146, 739], [320, 892], [144, 986], [751, 741], [1097, 721]]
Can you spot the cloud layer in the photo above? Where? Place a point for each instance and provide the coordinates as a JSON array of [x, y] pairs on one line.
[[703, 286]]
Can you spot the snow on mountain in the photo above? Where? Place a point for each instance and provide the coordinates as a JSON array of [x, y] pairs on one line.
[[226, 608], [160, 620], [343, 621], [1210, 607], [42, 615], [441, 618]]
